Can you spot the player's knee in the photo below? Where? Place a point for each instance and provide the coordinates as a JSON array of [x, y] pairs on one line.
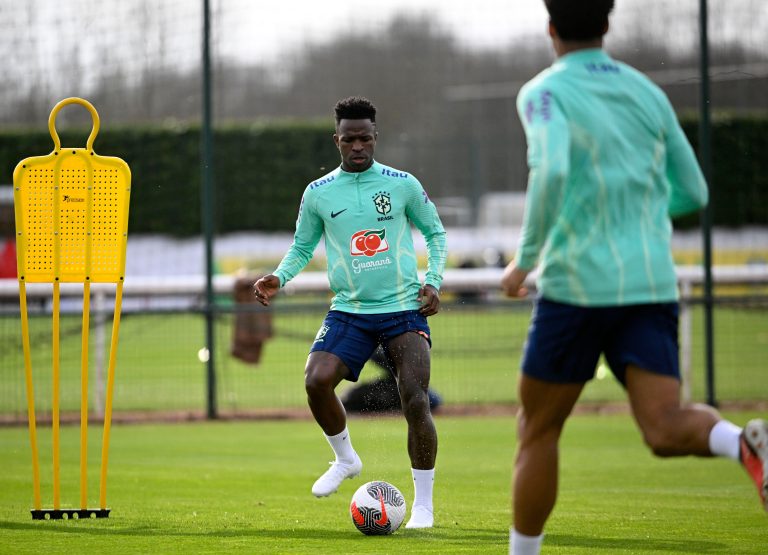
[[317, 380], [415, 401], [539, 428], [661, 441]]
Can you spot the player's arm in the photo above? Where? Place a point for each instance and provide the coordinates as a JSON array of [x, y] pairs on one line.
[[548, 138], [309, 229], [688, 188], [423, 213]]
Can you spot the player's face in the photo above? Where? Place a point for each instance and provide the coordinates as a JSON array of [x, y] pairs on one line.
[[356, 141]]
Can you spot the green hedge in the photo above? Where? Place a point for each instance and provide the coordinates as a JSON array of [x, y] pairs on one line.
[[261, 174], [739, 192], [261, 171]]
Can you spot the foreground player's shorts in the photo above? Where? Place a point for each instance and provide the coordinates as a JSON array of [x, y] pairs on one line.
[[354, 337], [565, 341]]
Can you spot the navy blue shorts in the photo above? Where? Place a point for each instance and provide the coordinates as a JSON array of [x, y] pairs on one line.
[[354, 337], [565, 341]]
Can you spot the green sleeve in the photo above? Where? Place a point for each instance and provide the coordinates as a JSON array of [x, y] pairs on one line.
[[421, 211], [688, 188], [309, 229], [548, 137]]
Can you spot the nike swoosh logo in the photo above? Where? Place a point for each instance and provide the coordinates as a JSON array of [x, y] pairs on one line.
[[383, 520], [334, 214], [357, 515]]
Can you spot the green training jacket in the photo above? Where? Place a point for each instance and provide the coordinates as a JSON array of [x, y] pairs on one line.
[[366, 220], [609, 164]]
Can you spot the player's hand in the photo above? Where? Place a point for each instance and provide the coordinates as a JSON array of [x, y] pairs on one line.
[[265, 288], [512, 281], [429, 297]]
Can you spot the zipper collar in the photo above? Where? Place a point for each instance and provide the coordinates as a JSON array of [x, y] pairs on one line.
[[356, 176]]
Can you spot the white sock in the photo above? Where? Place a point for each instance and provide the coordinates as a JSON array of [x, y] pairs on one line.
[[341, 444], [423, 481], [724, 440], [520, 544]]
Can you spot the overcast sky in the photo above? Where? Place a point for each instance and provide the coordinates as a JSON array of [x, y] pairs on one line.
[[249, 31]]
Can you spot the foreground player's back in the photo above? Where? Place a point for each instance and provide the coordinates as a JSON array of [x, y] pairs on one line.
[[606, 149]]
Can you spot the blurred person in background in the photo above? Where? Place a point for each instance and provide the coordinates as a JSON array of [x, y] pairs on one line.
[[609, 166], [365, 210]]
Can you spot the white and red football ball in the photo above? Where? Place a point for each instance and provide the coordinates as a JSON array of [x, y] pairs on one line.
[[377, 508]]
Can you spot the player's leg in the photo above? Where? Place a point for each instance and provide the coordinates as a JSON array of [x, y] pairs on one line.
[[339, 352], [644, 355], [561, 353], [324, 371], [410, 354], [544, 408], [668, 428]]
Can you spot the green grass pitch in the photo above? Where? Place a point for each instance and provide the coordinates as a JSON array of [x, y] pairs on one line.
[[244, 487]]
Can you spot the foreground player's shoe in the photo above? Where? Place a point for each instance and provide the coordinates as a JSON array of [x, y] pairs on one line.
[[753, 450], [421, 517], [329, 482]]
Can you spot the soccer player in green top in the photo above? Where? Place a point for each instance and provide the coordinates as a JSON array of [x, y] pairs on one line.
[[609, 164], [364, 210]]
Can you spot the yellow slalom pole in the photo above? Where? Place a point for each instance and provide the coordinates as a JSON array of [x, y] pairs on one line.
[[55, 408], [84, 397], [30, 395], [110, 390]]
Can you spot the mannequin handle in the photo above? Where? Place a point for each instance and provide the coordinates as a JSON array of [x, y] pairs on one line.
[[59, 106]]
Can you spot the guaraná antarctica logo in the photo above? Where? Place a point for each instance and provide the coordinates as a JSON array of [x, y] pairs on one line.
[[368, 242]]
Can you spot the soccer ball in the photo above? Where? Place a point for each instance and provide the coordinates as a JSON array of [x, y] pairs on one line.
[[377, 508]]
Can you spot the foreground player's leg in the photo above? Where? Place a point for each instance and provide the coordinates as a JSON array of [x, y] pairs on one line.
[[544, 408], [672, 430], [668, 428], [323, 373], [410, 354]]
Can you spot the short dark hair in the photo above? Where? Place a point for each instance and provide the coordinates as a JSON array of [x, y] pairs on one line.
[[355, 107], [579, 19]]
